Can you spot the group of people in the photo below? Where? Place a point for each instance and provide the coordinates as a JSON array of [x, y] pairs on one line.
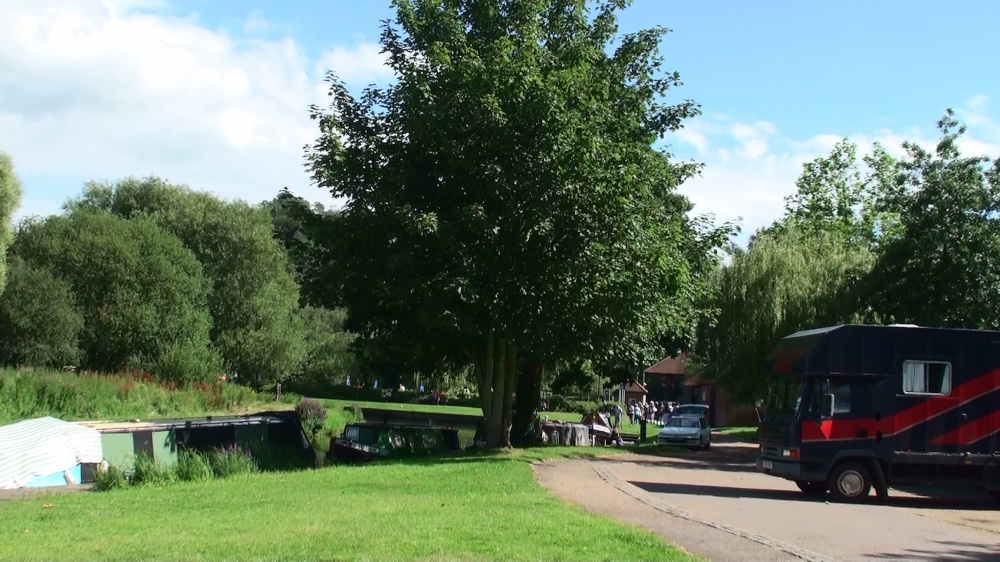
[[653, 412]]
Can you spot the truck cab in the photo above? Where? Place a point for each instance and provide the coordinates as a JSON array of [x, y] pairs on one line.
[[854, 407]]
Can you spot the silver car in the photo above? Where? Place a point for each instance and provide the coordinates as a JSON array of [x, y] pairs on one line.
[[686, 430]]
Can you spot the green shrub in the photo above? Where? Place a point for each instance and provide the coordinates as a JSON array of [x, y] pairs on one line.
[[582, 407], [193, 466], [312, 414], [232, 461], [147, 472], [557, 403], [111, 478]]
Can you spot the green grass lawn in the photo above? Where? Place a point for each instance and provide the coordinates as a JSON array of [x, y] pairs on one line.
[[748, 434], [482, 507]]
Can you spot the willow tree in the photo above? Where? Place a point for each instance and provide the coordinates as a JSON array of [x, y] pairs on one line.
[[10, 197], [503, 197], [787, 280]]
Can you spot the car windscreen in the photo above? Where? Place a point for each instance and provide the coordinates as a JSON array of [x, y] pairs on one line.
[[690, 411], [683, 422]]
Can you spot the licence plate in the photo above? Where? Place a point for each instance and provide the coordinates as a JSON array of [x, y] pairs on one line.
[[768, 465]]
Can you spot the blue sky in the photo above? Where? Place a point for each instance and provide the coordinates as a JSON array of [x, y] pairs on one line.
[[213, 93], [804, 66]]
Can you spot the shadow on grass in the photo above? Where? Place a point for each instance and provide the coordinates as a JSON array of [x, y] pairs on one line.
[[528, 455]]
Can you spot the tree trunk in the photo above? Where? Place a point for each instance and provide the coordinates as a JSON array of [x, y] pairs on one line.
[[527, 424], [495, 375]]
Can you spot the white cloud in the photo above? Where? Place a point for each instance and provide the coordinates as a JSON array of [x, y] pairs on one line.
[[101, 89], [361, 64], [750, 167]]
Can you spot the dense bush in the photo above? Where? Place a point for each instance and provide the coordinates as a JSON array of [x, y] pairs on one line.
[[312, 414], [582, 407], [253, 297], [557, 403], [143, 295], [40, 323]]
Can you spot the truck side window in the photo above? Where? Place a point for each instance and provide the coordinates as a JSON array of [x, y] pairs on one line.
[[926, 377], [841, 397]]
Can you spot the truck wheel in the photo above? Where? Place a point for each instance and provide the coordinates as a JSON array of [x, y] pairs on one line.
[[812, 488], [850, 481]]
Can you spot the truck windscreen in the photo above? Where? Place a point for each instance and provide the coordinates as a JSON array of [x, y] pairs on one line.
[[783, 399]]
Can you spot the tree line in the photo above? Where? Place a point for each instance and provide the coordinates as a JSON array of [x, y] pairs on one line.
[[510, 221], [145, 275], [912, 240]]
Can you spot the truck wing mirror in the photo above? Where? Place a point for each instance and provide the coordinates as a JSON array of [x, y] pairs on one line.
[[828, 403]]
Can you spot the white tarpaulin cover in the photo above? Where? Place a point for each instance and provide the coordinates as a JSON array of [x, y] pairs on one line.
[[44, 446]]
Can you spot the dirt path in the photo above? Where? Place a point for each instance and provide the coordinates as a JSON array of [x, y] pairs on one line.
[[715, 505]]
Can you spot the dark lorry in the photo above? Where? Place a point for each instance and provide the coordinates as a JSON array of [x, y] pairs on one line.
[[854, 407]]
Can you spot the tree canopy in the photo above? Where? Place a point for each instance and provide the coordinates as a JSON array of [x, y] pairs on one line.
[[503, 197], [253, 298], [40, 322], [143, 294], [10, 197], [913, 240]]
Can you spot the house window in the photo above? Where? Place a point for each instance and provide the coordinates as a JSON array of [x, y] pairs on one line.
[[926, 377]]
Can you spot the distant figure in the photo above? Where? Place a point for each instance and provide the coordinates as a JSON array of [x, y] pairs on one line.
[[348, 380], [421, 387], [376, 383], [617, 413]]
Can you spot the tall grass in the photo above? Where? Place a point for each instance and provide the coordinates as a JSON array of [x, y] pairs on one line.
[[192, 466], [83, 396]]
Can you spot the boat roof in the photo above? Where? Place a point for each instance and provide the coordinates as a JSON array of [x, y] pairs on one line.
[[160, 424]]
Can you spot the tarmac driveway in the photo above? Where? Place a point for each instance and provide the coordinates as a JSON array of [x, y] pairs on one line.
[[715, 505]]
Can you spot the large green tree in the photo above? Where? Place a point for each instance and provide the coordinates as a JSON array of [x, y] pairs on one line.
[[143, 295], [503, 198], [941, 268], [844, 196], [40, 322], [10, 197], [254, 297], [786, 281]]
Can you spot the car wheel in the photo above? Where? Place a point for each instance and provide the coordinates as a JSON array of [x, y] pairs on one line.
[[812, 488], [850, 481]]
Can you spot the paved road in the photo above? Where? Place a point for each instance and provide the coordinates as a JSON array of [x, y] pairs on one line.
[[715, 505]]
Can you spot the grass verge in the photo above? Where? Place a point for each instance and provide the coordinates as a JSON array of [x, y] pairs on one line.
[[469, 507], [747, 434]]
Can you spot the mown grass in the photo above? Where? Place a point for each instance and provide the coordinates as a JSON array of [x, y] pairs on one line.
[[482, 507], [740, 433]]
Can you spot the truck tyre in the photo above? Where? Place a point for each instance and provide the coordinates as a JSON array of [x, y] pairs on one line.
[[850, 482]]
